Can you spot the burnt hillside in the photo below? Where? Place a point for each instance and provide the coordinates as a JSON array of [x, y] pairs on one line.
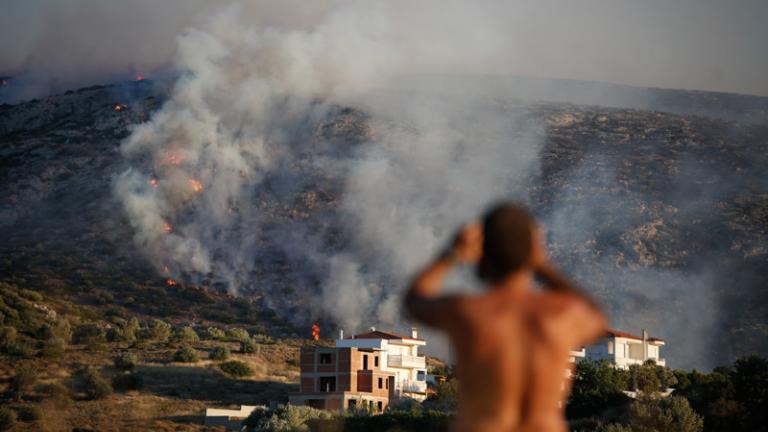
[[663, 216]]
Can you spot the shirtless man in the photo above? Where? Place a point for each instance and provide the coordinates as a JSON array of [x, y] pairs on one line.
[[512, 342]]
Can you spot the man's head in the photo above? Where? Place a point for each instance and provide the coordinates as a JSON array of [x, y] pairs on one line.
[[508, 241]]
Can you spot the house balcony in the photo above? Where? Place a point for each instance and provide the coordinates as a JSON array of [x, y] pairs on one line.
[[638, 361], [406, 361]]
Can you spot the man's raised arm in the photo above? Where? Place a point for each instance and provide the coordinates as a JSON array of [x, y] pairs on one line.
[[423, 299]]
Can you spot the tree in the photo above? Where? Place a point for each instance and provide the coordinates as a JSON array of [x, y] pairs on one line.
[[670, 414], [597, 387], [750, 384]]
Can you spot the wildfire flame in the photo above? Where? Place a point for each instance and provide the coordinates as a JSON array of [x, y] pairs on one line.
[[153, 182], [171, 159], [120, 107], [139, 77], [167, 228], [170, 282], [196, 185], [315, 331]]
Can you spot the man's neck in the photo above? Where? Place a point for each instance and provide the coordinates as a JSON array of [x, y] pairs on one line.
[[517, 284]]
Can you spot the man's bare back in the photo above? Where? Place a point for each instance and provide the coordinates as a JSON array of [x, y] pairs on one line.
[[512, 343]]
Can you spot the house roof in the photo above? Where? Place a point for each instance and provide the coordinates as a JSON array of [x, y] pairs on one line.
[[619, 333], [378, 334]]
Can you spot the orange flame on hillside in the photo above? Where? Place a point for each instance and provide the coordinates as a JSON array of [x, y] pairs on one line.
[[170, 282], [154, 182], [196, 185], [315, 331], [171, 159], [167, 228], [139, 77], [120, 107]]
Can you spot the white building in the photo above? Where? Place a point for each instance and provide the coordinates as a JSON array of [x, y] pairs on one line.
[[400, 355], [625, 349]]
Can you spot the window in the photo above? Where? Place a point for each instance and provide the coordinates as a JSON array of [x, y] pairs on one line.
[[352, 404], [376, 361], [386, 383], [610, 347], [381, 384], [328, 384], [421, 375], [380, 405], [325, 358], [365, 361]]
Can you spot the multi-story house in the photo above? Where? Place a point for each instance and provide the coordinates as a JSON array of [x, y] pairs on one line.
[[399, 356], [343, 378], [625, 349]]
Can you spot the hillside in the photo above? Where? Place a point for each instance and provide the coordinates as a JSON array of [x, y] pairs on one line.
[[662, 216]]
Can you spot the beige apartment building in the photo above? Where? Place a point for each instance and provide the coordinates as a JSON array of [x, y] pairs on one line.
[[334, 378]]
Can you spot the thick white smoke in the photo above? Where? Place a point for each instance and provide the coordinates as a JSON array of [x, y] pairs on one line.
[[237, 120], [232, 120]]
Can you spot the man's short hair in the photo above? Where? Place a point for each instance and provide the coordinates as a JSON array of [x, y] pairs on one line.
[[507, 240]]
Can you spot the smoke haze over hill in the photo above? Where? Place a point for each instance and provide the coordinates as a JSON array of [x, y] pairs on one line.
[[694, 44]]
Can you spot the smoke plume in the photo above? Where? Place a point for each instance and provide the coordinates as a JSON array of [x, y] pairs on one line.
[[240, 120]]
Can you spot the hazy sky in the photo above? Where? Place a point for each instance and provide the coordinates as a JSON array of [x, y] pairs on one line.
[[693, 44]]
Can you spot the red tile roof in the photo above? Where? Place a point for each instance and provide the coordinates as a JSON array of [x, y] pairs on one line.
[[619, 333], [378, 334]]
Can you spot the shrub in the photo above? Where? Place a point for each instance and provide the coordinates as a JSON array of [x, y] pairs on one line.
[[127, 381], [31, 295], [285, 418], [213, 333], [263, 339], [185, 355], [236, 368], [94, 385], [247, 347], [219, 353], [186, 335], [44, 332], [62, 329], [159, 331], [125, 331], [88, 334], [53, 348], [7, 418], [7, 336], [126, 361], [29, 413], [237, 334], [60, 395], [25, 378]]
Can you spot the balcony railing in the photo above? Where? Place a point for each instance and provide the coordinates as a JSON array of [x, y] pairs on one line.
[[404, 360]]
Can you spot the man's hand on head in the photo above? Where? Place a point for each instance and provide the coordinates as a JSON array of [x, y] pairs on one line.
[[468, 244]]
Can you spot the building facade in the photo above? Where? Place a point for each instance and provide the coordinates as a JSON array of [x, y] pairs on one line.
[[399, 356], [343, 378], [624, 349]]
